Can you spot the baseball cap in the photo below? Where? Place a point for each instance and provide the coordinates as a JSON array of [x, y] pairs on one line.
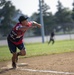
[[22, 18]]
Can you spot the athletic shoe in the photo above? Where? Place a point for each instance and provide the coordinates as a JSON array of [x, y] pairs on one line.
[[14, 65]]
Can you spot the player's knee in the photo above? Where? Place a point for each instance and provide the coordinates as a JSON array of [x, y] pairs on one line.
[[23, 53]]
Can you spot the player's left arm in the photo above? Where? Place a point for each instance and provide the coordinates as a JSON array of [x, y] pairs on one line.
[[36, 24]]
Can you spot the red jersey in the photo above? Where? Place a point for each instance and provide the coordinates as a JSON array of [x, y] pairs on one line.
[[16, 35]]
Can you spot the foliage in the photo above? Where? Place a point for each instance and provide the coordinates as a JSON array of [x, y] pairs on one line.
[[63, 17], [62, 20], [73, 11], [7, 11]]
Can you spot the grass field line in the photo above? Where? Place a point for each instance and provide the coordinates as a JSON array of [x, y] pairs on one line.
[[46, 71]]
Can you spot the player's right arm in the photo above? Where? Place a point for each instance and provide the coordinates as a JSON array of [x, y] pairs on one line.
[[22, 28], [36, 24]]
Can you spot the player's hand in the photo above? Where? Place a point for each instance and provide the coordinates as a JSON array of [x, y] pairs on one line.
[[39, 25]]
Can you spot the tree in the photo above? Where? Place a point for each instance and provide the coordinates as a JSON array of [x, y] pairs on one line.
[[36, 17], [61, 20], [73, 11], [7, 12], [2, 3], [62, 17], [45, 8]]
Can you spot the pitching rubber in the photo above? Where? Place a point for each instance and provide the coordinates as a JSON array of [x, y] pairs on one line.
[[22, 64]]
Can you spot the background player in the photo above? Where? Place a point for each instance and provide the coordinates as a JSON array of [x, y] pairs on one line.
[[51, 37]]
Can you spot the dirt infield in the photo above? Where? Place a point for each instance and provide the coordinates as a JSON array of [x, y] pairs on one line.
[[57, 64]]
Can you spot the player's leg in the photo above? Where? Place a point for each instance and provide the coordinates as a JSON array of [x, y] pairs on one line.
[[49, 41], [14, 60], [12, 49], [22, 51], [52, 41]]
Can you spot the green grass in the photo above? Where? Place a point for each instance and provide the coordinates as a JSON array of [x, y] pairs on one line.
[[40, 49]]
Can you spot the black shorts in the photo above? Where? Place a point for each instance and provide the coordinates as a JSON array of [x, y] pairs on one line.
[[13, 47]]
